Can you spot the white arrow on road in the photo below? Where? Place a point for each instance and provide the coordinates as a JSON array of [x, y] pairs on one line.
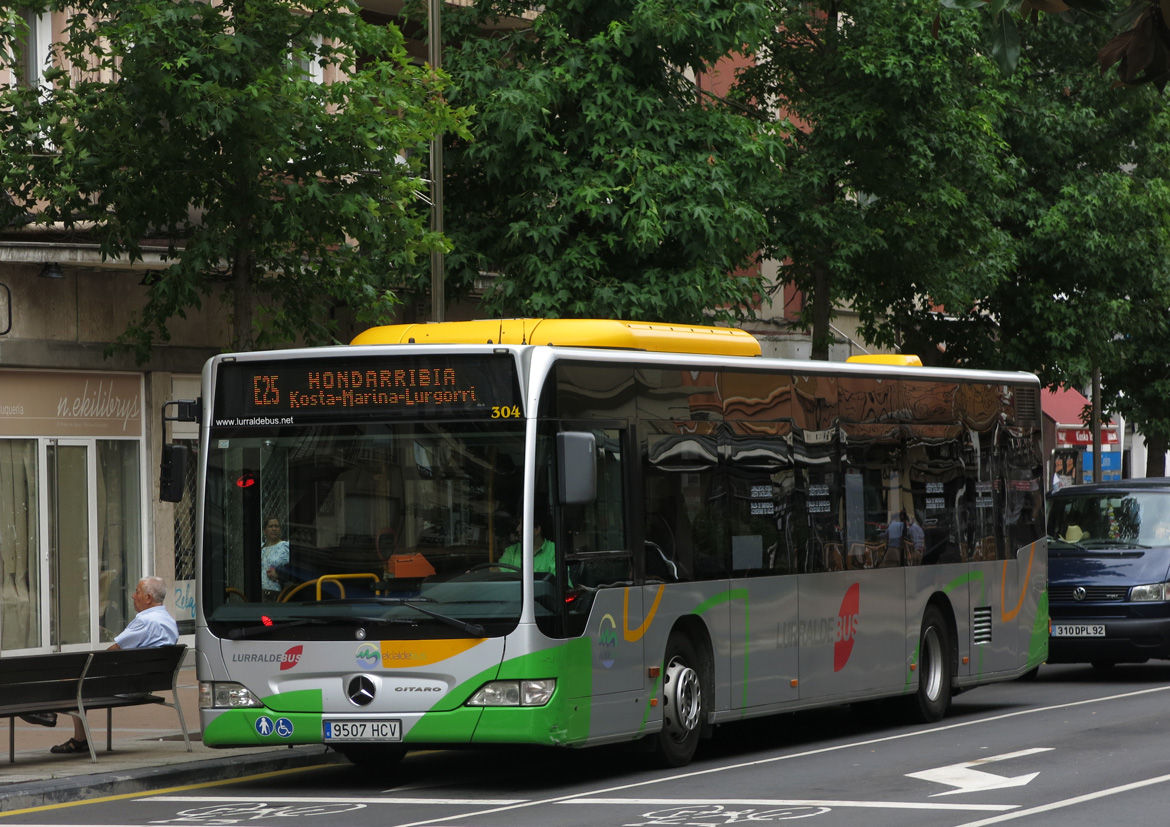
[[968, 780]]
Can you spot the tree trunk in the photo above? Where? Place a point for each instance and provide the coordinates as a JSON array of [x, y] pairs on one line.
[[242, 267], [1156, 456], [822, 312], [822, 336]]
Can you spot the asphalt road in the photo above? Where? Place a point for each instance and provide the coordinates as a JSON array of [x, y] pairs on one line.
[[1073, 747]]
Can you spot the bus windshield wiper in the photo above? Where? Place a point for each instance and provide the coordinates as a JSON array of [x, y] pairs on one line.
[[473, 629]]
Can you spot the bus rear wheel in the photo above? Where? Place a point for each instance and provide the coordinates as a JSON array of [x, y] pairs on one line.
[[682, 704], [933, 697]]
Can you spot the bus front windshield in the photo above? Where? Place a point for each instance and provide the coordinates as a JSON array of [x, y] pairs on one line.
[[398, 529]]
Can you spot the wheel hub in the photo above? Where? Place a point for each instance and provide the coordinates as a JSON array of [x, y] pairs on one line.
[[682, 698]]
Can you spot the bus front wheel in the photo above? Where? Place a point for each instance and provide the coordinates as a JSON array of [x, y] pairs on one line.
[[933, 697], [682, 704]]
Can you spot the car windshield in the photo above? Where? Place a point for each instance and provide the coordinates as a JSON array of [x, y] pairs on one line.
[[1111, 519]]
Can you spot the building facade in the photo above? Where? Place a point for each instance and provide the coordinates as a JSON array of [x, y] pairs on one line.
[[80, 518]]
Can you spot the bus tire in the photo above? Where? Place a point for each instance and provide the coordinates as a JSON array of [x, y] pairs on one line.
[[373, 757], [683, 703], [933, 697]]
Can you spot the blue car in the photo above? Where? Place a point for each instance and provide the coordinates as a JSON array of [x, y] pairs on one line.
[[1109, 572]]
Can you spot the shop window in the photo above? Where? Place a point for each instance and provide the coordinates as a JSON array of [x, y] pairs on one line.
[[20, 583], [119, 518]]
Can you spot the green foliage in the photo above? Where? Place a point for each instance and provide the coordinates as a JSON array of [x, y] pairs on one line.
[[892, 184], [601, 181], [1090, 219], [197, 126]]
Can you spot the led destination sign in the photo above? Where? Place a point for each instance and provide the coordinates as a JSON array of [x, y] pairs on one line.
[[286, 392]]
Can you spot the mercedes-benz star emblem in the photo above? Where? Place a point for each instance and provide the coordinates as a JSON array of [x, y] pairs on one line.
[[1079, 593], [360, 690]]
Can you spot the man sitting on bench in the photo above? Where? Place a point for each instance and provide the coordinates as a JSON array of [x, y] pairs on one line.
[[152, 626]]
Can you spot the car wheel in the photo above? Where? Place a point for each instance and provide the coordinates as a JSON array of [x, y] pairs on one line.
[[682, 703]]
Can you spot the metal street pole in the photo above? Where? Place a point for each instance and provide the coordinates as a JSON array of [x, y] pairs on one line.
[[438, 299], [1096, 424]]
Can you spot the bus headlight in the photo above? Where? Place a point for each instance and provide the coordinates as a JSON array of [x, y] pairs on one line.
[[513, 693], [226, 695], [1153, 591]]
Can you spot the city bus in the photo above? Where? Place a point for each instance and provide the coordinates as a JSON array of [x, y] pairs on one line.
[[583, 532]]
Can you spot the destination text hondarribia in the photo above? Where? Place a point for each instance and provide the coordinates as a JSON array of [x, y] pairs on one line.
[[358, 388]]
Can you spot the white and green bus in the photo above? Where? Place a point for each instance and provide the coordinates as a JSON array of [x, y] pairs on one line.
[[582, 532]]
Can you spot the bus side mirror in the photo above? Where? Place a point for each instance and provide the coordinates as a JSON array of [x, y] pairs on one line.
[[172, 472], [173, 467], [577, 467]]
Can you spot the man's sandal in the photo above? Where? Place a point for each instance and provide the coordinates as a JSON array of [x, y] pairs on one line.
[[70, 747]]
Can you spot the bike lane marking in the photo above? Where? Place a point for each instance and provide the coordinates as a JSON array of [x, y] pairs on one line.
[[672, 802], [303, 799], [795, 802]]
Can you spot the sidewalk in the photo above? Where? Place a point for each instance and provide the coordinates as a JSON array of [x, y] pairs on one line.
[[148, 753]]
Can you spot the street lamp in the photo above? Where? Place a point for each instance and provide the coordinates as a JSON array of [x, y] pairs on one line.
[[438, 300]]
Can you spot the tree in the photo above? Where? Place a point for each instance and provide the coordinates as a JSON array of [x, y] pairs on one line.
[[1141, 374], [204, 125], [602, 179], [895, 175], [1139, 47], [1090, 219]]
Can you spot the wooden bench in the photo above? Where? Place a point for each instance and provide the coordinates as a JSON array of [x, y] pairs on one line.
[[108, 679]]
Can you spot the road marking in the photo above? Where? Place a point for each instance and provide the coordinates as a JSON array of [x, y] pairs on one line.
[[1070, 802], [299, 799], [792, 802], [790, 756], [669, 778], [969, 780], [243, 779], [668, 802]]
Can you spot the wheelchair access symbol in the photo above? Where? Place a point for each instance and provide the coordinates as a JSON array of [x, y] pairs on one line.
[[282, 726]]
